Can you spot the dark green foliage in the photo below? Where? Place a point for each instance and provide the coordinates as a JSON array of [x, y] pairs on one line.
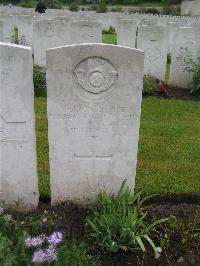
[[39, 81], [93, 7], [12, 248], [171, 10], [101, 7], [15, 38], [152, 11], [26, 3], [111, 30], [118, 223], [70, 254], [150, 85], [74, 7], [53, 4], [117, 9]]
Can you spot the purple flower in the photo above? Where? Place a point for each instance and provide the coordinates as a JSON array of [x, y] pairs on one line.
[[39, 256], [34, 242], [55, 238], [1, 210], [51, 254]]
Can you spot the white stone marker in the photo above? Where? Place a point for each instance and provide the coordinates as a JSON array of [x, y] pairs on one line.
[[1, 31], [94, 102], [49, 34], [85, 32], [153, 40], [8, 27], [25, 30], [18, 167], [126, 32], [185, 38]]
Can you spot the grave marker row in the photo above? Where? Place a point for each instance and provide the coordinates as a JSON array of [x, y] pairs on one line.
[[94, 105]]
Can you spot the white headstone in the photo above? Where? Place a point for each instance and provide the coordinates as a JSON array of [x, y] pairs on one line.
[[153, 40], [8, 27], [18, 168], [186, 40], [196, 8], [49, 34], [1, 31], [94, 102], [126, 32], [25, 30], [86, 32]]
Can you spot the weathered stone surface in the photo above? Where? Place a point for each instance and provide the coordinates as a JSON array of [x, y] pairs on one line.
[[18, 169], [49, 34], [186, 40], [25, 30], [94, 101], [85, 32], [8, 27], [153, 40], [126, 32], [1, 31]]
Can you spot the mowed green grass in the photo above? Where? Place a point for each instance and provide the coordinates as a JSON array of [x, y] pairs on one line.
[[169, 147], [109, 38]]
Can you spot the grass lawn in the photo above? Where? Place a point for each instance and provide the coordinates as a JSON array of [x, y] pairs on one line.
[[169, 147], [109, 38]]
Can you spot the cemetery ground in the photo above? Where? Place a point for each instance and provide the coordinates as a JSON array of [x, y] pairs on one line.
[[121, 230], [168, 166]]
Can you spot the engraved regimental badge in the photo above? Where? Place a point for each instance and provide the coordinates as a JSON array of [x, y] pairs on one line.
[[94, 78]]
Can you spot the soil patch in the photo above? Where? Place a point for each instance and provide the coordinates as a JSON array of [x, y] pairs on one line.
[[70, 219], [179, 93]]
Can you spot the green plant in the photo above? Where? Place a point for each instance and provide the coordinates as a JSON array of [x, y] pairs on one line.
[[73, 255], [111, 30], [93, 7], [171, 10], [53, 4], [74, 7], [101, 7], [152, 11], [192, 65], [7, 257], [15, 38], [12, 249], [39, 81], [150, 85], [118, 223], [117, 9]]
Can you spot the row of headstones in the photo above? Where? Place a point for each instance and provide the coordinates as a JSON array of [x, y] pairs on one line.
[[156, 41], [25, 22], [66, 12], [94, 103]]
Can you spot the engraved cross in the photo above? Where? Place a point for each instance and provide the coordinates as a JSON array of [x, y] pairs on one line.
[[9, 132], [93, 157]]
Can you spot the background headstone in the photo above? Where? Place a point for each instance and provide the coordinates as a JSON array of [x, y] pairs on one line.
[[8, 27], [153, 40], [94, 102], [25, 30], [126, 32], [1, 31], [85, 32], [186, 39], [18, 168], [49, 34]]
